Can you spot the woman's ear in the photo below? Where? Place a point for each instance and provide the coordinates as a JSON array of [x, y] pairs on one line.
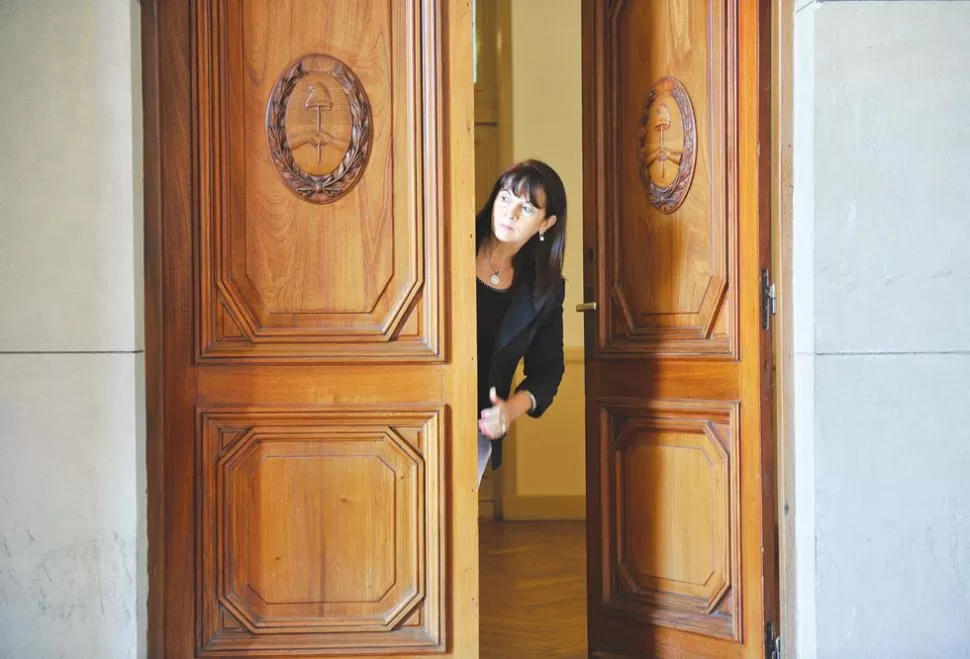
[[547, 223]]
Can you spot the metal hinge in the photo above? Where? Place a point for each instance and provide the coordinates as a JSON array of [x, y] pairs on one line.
[[772, 641], [769, 302]]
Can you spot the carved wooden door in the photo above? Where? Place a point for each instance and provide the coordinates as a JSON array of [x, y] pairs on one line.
[[310, 328], [680, 458]]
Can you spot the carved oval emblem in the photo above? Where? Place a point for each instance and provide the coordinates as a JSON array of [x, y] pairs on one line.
[[319, 128], [668, 144]]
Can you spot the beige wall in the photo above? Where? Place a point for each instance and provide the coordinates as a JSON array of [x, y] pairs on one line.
[[547, 124], [881, 311], [72, 462]]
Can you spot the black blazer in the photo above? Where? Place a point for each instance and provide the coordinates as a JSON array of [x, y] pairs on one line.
[[531, 329]]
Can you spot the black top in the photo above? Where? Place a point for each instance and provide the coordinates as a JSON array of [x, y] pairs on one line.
[[529, 329], [492, 306]]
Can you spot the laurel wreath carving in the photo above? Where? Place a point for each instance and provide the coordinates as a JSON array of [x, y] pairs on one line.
[[324, 188], [668, 199]]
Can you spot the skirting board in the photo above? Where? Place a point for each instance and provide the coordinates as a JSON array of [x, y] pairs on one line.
[[544, 508]]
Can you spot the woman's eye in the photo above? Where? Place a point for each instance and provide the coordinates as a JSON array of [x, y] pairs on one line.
[[529, 209]]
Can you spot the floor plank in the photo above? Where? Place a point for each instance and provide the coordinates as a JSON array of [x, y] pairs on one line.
[[533, 590]]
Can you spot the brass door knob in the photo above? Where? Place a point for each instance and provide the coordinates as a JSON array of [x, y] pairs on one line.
[[586, 306]]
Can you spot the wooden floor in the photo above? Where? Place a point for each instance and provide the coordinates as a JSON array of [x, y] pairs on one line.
[[533, 590]]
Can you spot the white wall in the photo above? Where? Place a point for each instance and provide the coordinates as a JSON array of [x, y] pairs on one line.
[[882, 286], [72, 477]]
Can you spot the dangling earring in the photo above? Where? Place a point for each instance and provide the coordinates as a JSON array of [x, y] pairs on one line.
[[542, 238]]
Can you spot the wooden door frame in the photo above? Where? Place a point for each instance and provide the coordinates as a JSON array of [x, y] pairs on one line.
[[782, 111], [154, 349], [782, 82]]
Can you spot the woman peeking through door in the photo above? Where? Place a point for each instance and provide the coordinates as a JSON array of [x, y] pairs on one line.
[[521, 239]]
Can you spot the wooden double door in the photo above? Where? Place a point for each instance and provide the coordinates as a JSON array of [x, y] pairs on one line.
[[311, 336]]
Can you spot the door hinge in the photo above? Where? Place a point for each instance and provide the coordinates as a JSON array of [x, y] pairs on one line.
[[769, 303], [772, 641]]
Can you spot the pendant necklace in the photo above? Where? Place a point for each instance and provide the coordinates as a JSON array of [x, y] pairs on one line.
[[496, 279]]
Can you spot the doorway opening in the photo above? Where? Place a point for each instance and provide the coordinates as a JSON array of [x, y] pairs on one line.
[[532, 510]]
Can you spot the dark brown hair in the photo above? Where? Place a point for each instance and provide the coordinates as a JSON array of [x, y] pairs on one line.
[[538, 264]]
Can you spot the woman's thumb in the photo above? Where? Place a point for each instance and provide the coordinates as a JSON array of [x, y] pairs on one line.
[[492, 395]]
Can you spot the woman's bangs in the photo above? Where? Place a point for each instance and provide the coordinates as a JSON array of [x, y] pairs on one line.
[[526, 183]]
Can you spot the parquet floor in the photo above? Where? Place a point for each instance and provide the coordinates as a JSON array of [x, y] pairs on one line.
[[533, 590]]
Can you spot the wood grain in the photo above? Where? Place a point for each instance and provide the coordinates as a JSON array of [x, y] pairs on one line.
[[154, 333], [672, 557], [457, 197], [533, 590], [680, 457], [272, 431], [282, 279], [783, 19], [326, 524], [670, 287]]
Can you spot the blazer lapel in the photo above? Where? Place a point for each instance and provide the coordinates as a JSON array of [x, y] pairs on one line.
[[521, 312]]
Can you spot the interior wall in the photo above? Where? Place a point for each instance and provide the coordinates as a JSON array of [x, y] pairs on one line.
[[72, 465], [546, 51], [882, 306]]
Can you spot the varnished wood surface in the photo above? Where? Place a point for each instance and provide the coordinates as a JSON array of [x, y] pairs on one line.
[[533, 590], [671, 284], [284, 280], [784, 348], [331, 515], [680, 461]]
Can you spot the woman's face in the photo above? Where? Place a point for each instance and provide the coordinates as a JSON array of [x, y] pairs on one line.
[[516, 219]]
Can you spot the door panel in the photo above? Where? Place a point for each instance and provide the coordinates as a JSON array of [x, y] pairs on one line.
[[676, 510], [672, 137], [367, 574], [311, 428], [680, 464], [282, 111]]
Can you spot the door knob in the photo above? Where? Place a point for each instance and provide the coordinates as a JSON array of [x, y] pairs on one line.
[[586, 306]]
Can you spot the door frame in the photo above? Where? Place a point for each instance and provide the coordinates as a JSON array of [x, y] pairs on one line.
[[782, 84], [154, 349], [781, 184]]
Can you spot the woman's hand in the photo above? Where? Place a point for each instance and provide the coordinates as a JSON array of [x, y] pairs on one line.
[[495, 420]]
